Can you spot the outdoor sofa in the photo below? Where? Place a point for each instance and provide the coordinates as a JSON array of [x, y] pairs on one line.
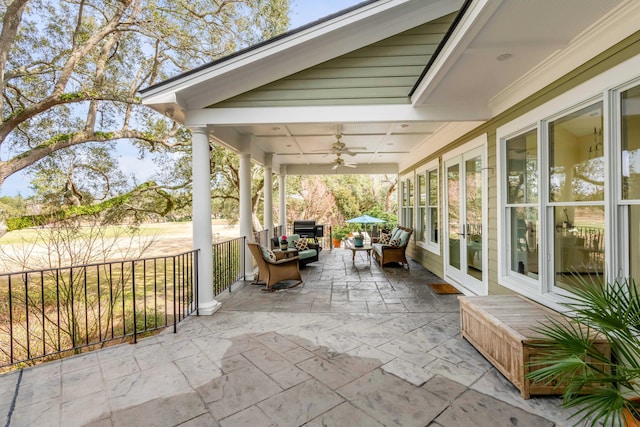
[[394, 249], [305, 256]]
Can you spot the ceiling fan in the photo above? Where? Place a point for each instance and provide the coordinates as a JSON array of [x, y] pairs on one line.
[[340, 147], [339, 161]]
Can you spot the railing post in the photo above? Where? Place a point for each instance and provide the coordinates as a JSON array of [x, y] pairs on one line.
[[11, 321], [133, 297], [194, 269], [175, 323], [244, 258]]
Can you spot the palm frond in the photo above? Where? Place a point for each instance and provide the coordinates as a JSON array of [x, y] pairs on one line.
[[595, 384]]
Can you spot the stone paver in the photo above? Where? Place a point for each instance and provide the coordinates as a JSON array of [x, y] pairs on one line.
[[354, 346]]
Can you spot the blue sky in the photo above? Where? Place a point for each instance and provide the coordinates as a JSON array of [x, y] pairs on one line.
[[302, 12]]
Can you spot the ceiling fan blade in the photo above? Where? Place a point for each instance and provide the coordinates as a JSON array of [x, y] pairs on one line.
[[349, 153], [335, 166], [350, 165]]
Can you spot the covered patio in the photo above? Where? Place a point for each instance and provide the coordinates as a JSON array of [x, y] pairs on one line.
[[355, 345]]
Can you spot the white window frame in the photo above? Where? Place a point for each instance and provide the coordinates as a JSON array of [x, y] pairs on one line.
[[606, 88], [504, 261], [424, 171], [407, 211]]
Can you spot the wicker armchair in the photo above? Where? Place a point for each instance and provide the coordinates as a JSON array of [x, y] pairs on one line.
[[272, 272], [385, 254]]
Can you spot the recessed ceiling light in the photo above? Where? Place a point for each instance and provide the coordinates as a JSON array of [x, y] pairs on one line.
[[404, 125], [503, 56], [289, 145], [275, 128], [389, 143]]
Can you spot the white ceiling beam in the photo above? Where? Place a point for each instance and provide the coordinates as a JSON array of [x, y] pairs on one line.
[[337, 114], [326, 169]]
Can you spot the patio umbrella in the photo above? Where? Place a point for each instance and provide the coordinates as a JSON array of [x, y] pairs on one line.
[[366, 219]]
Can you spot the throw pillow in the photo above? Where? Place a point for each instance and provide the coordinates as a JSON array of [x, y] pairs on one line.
[[268, 253], [394, 242], [293, 238], [302, 245], [385, 238]]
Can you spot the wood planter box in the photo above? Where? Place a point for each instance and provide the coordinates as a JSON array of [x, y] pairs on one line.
[[501, 328]]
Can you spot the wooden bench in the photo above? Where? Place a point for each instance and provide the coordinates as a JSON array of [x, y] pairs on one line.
[[501, 328]]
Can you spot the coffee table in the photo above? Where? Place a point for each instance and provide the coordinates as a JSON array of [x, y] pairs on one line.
[[350, 245]]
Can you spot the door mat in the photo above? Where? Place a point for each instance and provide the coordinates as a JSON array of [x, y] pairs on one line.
[[443, 288]]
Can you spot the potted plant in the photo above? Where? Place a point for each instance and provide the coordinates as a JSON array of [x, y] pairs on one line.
[[284, 244], [603, 390], [338, 234], [358, 239]]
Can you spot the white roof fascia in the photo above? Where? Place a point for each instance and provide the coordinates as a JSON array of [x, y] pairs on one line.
[[336, 114], [302, 50], [476, 16], [612, 28]]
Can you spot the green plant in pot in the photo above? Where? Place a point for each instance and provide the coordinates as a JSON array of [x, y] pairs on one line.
[[339, 233], [358, 239], [600, 389]]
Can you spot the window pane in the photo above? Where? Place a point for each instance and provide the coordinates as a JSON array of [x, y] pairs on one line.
[[631, 144], [422, 224], [524, 241], [473, 203], [522, 168], [473, 197], [408, 222], [422, 190], [634, 242], [403, 190], [433, 188], [453, 200], [410, 187], [578, 242], [433, 221], [576, 156]]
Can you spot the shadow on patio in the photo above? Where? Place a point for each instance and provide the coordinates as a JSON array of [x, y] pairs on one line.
[[355, 345]]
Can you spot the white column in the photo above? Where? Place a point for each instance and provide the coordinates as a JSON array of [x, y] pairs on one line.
[[246, 224], [282, 189], [201, 207], [268, 193]]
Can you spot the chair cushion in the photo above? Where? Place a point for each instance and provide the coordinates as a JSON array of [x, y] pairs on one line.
[[302, 244], [394, 233], [403, 236], [385, 238], [377, 247], [308, 253], [268, 253], [394, 242]]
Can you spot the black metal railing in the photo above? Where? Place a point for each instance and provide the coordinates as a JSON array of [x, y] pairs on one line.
[[55, 312], [228, 264]]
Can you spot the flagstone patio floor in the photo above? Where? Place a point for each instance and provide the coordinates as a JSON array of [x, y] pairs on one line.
[[355, 345]]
